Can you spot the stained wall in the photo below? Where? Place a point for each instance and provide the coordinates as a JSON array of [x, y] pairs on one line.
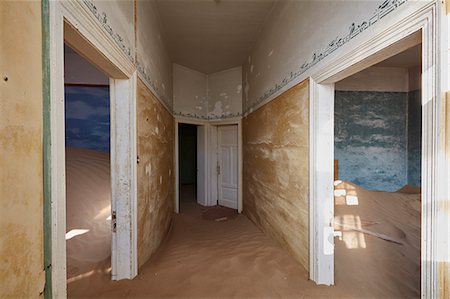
[[378, 128], [190, 89], [207, 96], [370, 138], [275, 169], [155, 133], [21, 177]]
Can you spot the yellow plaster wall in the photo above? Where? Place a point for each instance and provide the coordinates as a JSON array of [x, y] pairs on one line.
[[275, 170], [21, 176], [155, 129]]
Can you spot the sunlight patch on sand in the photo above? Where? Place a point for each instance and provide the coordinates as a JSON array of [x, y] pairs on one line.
[[75, 232]]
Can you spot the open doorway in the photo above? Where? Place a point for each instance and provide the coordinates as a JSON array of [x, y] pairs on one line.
[[209, 165], [377, 187], [188, 166], [88, 168], [121, 78]]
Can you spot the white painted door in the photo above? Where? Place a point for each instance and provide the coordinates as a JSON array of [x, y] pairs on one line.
[[201, 165], [228, 166]]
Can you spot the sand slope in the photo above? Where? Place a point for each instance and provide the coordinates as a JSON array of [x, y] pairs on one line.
[[380, 246], [88, 208]]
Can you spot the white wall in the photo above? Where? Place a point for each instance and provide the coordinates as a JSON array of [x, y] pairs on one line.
[[302, 35], [225, 93], [389, 79], [385, 79], [189, 92], [117, 17], [78, 70], [214, 96], [153, 61]]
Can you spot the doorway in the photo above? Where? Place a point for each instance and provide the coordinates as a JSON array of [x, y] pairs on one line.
[[218, 163], [188, 168], [191, 168], [122, 103], [410, 30], [377, 186]]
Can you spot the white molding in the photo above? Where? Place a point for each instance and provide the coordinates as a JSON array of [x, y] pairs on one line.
[[424, 18], [81, 18], [117, 65], [321, 156]]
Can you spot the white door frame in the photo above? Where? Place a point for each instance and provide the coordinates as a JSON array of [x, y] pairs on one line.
[[425, 23], [71, 22], [209, 136]]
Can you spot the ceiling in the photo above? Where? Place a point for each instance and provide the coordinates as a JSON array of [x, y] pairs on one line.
[[406, 59], [212, 35]]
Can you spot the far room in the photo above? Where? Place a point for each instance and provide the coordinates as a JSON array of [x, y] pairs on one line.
[[88, 170], [377, 152]]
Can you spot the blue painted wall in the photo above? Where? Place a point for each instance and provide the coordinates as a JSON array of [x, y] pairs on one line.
[[414, 137], [87, 117], [371, 139]]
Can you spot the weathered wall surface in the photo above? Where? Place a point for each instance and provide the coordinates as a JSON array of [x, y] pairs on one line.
[[225, 93], [370, 138], [190, 92], [153, 62], [275, 170], [21, 176], [378, 128], [414, 137], [119, 17], [155, 131], [213, 96], [301, 36]]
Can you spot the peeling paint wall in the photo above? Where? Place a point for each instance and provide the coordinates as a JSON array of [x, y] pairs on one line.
[[275, 169], [213, 96], [155, 172], [378, 128], [153, 62], [301, 36], [225, 93], [370, 138], [21, 176], [189, 92]]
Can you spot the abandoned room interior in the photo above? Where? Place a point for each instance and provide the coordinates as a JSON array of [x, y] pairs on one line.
[[225, 149]]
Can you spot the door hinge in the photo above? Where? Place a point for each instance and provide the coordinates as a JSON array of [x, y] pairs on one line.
[[113, 221], [138, 160], [218, 169]]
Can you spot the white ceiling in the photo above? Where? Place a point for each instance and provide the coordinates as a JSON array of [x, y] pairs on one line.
[[212, 35]]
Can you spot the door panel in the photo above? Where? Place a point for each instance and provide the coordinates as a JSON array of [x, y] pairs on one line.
[[228, 165]]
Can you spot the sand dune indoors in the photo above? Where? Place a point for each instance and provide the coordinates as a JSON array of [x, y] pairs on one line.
[[201, 258], [88, 212]]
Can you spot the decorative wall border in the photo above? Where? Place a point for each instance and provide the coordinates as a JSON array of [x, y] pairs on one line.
[[103, 19], [208, 117], [142, 71], [354, 30]]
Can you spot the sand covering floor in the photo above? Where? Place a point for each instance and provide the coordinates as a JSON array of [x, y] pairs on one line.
[[233, 259]]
